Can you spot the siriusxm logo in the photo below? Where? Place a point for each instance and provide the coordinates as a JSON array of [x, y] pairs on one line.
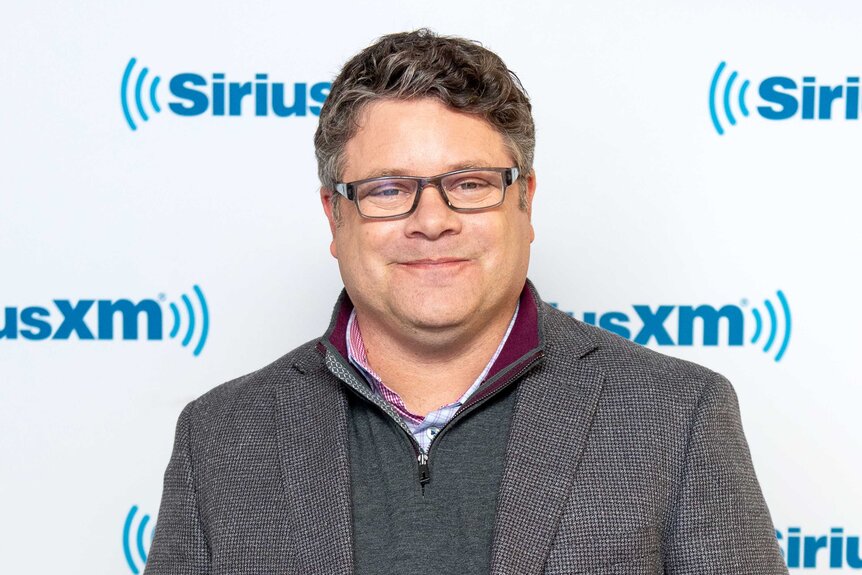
[[834, 550], [782, 98], [137, 535], [68, 318], [646, 324], [193, 94]]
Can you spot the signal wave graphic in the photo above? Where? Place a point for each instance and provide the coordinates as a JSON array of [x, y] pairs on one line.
[[191, 322], [773, 326], [133, 538], [138, 94], [726, 97]]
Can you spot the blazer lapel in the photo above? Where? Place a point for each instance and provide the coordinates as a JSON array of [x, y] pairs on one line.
[[311, 422], [550, 423]]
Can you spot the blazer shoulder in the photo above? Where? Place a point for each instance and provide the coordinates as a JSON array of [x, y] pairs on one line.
[[249, 392], [628, 366]]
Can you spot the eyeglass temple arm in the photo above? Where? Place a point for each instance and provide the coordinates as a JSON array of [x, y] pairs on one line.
[[512, 175], [345, 190]]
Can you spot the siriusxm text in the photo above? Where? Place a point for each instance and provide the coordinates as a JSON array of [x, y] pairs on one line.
[[67, 318], [654, 324], [834, 550], [196, 95], [786, 98]]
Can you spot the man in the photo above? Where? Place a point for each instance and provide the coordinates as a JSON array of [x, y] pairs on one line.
[[448, 421]]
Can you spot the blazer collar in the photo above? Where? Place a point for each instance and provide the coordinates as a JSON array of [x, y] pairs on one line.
[[311, 427], [553, 412]]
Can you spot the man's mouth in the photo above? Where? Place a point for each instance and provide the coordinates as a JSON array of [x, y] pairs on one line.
[[434, 263]]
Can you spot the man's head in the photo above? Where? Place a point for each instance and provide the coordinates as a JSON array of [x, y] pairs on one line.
[[416, 104], [459, 73]]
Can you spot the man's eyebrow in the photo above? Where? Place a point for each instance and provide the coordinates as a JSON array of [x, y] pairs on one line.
[[387, 172]]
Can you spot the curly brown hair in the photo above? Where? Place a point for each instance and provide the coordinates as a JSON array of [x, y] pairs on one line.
[[460, 73]]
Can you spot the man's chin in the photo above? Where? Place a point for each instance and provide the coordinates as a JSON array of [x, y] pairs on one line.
[[436, 318]]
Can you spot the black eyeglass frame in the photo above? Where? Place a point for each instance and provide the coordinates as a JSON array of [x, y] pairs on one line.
[[348, 189]]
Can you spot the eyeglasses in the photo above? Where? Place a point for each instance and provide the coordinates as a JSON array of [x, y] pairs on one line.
[[392, 197]]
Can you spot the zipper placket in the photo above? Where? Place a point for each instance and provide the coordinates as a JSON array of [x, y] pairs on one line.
[[422, 457], [365, 393], [468, 407]]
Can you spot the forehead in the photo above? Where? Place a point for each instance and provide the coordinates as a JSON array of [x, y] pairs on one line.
[[420, 137]]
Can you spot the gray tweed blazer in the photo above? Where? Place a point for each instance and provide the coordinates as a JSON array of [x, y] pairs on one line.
[[620, 460]]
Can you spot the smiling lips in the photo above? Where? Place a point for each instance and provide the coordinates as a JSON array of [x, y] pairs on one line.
[[433, 263]]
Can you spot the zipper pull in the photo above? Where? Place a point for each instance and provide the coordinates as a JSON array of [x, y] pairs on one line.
[[424, 472]]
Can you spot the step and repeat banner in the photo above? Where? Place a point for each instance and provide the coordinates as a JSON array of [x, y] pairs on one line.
[[161, 231]]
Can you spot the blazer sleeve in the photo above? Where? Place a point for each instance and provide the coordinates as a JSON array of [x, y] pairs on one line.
[[721, 524], [179, 546]]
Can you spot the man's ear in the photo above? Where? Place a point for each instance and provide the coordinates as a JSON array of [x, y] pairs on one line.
[[327, 199], [528, 200]]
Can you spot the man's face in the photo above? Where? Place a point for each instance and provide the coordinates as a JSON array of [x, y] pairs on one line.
[[435, 269]]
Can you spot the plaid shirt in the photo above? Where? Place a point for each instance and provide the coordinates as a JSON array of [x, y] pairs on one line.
[[424, 429]]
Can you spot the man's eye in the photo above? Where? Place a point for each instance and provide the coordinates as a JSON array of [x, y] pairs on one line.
[[385, 192], [471, 185]]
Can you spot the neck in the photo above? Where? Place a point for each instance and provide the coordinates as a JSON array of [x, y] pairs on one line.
[[429, 370]]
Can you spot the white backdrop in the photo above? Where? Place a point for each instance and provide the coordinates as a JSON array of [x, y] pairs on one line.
[[640, 202]]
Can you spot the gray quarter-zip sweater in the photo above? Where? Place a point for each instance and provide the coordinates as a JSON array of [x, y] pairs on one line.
[[433, 513]]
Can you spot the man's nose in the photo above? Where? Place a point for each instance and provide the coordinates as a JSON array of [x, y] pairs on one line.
[[432, 217]]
